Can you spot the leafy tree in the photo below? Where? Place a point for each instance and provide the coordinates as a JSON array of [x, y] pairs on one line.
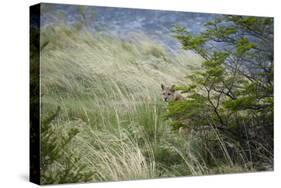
[[234, 91]]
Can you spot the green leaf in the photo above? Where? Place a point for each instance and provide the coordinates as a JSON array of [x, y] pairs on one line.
[[243, 45]]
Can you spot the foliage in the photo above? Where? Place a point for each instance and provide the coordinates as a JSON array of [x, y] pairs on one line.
[[102, 114], [233, 93], [58, 163], [107, 127]]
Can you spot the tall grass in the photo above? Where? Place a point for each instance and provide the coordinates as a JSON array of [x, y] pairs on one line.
[[110, 125]]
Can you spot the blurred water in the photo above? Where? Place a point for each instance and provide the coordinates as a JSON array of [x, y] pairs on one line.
[[122, 22]]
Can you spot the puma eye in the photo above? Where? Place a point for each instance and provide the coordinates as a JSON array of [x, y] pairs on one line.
[[169, 93]]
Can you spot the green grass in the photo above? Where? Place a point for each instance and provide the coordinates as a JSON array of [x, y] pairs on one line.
[[110, 125]]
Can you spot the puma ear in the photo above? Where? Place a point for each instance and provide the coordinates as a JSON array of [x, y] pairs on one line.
[[173, 88], [162, 86]]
